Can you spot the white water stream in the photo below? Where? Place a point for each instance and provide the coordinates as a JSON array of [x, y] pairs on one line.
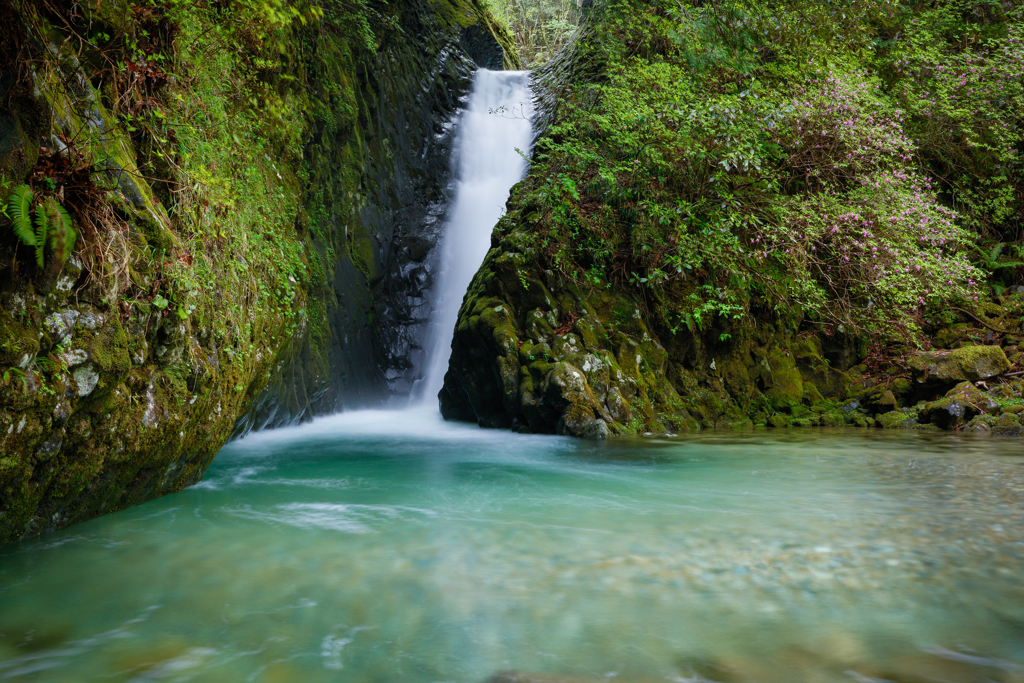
[[493, 136]]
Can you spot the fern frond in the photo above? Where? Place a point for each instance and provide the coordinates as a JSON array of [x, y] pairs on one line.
[[19, 207], [62, 234], [42, 225]]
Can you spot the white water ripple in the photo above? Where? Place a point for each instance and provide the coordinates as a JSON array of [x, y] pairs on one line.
[[349, 518]]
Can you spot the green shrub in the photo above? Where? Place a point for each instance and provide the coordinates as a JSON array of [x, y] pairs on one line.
[[733, 156]]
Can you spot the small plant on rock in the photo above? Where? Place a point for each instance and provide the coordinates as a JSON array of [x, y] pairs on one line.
[[52, 225]]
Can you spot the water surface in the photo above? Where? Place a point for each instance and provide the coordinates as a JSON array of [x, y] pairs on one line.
[[391, 547]]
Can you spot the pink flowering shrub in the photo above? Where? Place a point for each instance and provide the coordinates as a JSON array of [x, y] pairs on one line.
[[838, 131], [883, 245], [713, 178], [861, 232]]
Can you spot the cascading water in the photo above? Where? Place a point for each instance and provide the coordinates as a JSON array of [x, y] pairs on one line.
[[493, 137]]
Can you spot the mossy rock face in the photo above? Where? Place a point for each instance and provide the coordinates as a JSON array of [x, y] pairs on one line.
[[784, 386], [518, 362], [270, 291], [566, 391], [817, 371], [24, 121], [543, 357]]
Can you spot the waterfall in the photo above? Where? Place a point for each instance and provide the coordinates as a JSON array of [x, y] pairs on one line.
[[494, 126]]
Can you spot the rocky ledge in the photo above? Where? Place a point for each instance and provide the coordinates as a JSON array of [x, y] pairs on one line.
[[533, 353]]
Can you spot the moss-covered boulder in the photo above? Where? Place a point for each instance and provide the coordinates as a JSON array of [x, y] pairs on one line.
[[946, 413], [901, 419], [973, 398], [1008, 424], [967, 363]]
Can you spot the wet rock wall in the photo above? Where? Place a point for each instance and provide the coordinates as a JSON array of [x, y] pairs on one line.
[[256, 271]]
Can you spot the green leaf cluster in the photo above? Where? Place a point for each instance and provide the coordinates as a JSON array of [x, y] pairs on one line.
[[51, 226]]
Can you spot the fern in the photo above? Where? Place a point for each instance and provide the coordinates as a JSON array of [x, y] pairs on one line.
[[991, 259], [53, 225], [19, 207], [42, 226]]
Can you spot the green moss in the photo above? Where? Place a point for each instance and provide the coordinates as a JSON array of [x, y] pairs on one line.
[[833, 418], [18, 342], [785, 387], [899, 419], [108, 349]]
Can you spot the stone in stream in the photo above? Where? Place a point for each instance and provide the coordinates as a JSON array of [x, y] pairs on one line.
[[960, 406], [527, 677], [1007, 424]]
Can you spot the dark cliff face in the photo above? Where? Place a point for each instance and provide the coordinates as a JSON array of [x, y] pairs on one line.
[[256, 232], [384, 222]]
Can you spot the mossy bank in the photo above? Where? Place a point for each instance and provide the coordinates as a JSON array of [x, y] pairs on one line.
[[749, 214], [254, 186]]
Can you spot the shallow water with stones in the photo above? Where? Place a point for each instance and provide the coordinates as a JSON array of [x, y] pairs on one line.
[[381, 546]]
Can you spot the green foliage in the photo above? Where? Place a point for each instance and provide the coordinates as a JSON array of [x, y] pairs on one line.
[[955, 70], [1002, 265], [741, 33], [19, 207], [61, 228], [52, 226], [540, 27], [356, 18], [42, 223], [745, 155], [994, 260], [231, 131]]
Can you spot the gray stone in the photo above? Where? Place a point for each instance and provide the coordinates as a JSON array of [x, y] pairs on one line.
[[86, 378]]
